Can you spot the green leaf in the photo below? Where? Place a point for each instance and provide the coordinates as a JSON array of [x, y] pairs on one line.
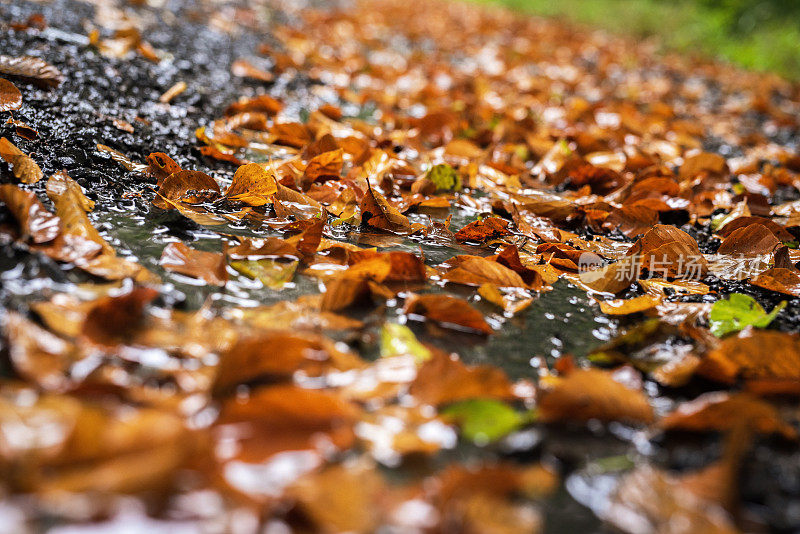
[[444, 177], [399, 340], [484, 420], [738, 312], [273, 273]]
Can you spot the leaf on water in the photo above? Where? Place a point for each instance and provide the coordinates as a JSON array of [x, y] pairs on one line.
[[114, 320], [25, 169], [282, 418], [191, 187], [377, 212], [278, 354], [739, 312], [273, 273], [629, 306], [10, 97], [160, 165], [252, 184], [480, 231], [485, 420], [586, 394], [512, 300], [721, 412], [31, 68], [60, 185], [210, 267], [34, 220], [399, 340], [448, 312], [444, 380], [476, 271]]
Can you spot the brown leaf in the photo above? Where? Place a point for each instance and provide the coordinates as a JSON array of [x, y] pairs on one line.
[[741, 222], [666, 249], [509, 257], [114, 320], [448, 312], [722, 411], [291, 134], [327, 165], [279, 354], [703, 162], [480, 231], [60, 185], [244, 69], [25, 169], [252, 184], [586, 394], [752, 240], [285, 418], [34, 220], [632, 221], [38, 355], [377, 212], [261, 103], [753, 354], [10, 97], [786, 281], [208, 266], [31, 68], [444, 379], [186, 186], [160, 165], [476, 271]]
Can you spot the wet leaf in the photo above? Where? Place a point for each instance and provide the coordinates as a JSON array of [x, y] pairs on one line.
[[377, 212], [485, 420], [449, 312], [274, 274], [399, 340], [31, 68], [479, 231], [25, 168], [593, 394], [444, 177], [753, 354], [779, 279], [252, 184], [750, 240], [738, 312], [113, 321], [192, 187], [444, 379], [10, 97], [210, 267], [34, 220]]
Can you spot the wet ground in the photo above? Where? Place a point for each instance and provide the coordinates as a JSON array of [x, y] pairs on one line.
[[74, 118]]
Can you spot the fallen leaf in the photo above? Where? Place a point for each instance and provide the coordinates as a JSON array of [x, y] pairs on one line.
[[252, 184], [480, 231], [485, 420], [34, 220], [586, 394], [208, 266], [738, 312], [476, 271], [753, 354], [31, 68], [25, 169], [186, 186], [751, 240], [114, 320], [377, 212], [447, 311], [779, 279], [10, 97], [444, 379]]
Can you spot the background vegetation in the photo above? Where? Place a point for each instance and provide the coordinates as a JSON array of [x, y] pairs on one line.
[[756, 34]]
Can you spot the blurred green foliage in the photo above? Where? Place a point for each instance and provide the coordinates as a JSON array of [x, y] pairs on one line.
[[756, 34]]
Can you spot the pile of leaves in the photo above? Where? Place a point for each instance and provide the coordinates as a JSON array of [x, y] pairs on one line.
[[562, 161]]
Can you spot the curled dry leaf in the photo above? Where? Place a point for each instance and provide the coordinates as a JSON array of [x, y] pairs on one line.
[[443, 379], [35, 222], [252, 184], [25, 169], [447, 311], [586, 394], [31, 68], [208, 266], [10, 97]]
